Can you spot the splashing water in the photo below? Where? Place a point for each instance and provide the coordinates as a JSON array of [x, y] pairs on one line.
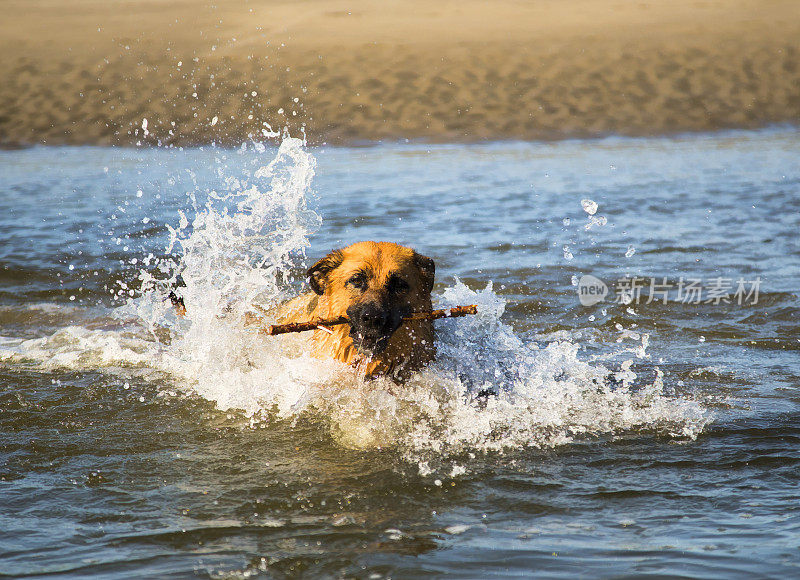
[[229, 261], [487, 390]]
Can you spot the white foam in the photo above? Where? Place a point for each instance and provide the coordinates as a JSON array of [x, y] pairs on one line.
[[239, 249]]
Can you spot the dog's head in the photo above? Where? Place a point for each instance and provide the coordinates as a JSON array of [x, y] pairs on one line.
[[375, 284]]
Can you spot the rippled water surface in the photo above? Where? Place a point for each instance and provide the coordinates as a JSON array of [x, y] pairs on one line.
[[623, 439]]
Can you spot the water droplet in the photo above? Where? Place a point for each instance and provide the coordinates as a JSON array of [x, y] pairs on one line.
[[589, 206]]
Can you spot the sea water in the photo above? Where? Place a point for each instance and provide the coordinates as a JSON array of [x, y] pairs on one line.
[[646, 432]]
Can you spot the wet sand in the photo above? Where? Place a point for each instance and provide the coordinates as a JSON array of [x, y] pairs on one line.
[[90, 71]]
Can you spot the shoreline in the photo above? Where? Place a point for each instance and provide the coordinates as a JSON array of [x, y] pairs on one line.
[[734, 132]]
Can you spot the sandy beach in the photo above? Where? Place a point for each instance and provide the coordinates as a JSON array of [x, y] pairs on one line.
[[92, 71]]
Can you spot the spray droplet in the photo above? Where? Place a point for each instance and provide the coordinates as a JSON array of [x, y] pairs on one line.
[[589, 206], [631, 251]]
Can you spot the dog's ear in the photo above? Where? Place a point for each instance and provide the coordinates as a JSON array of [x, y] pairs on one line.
[[318, 273], [427, 270]]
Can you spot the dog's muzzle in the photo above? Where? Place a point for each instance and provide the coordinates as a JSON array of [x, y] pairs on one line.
[[371, 326]]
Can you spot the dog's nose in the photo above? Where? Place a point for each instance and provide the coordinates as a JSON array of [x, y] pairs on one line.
[[370, 316]]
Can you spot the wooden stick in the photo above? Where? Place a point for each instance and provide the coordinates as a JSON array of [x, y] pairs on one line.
[[453, 312]]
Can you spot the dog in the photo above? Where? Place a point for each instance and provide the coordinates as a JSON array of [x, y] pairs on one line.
[[374, 284]]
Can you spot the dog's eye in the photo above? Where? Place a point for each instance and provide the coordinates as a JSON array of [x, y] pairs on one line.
[[358, 281], [398, 285]]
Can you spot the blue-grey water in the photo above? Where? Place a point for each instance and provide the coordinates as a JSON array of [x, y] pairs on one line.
[[123, 454]]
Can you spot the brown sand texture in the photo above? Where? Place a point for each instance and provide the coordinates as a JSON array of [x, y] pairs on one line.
[[345, 72]]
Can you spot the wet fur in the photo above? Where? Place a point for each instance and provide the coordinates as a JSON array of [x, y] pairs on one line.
[[411, 346]]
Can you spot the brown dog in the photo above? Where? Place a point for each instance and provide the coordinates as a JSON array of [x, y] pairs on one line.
[[375, 284]]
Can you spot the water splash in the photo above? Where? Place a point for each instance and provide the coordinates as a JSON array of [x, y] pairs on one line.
[[239, 250], [489, 390]]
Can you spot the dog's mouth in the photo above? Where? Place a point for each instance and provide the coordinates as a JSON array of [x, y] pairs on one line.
[[369, 345], [372, 327]]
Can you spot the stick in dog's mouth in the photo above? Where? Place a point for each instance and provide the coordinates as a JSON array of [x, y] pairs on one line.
[[454, 312], [325, 323]]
